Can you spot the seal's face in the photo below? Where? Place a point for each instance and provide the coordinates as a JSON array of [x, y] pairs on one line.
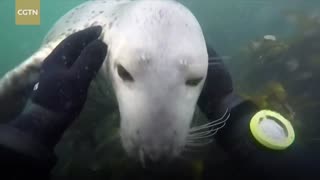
[[158, 64]]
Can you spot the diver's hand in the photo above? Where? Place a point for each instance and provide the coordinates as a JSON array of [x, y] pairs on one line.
[[67, 72], [63, 84]]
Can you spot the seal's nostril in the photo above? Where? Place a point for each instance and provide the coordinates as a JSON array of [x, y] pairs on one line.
[[152, 163]]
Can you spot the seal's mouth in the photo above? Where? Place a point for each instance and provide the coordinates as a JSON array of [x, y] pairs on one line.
[[161, 163], [153, 149], [160, 149], [146, 161]]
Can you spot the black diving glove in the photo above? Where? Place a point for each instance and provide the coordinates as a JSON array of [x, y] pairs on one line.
[[27, 143], [67, 72], [63, 84]]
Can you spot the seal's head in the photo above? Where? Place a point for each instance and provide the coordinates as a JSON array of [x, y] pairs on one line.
[[158, 63]]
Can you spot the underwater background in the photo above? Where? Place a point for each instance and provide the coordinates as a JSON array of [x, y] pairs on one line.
[[281, 73]]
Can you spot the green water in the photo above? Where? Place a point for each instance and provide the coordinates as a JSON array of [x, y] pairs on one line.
[[229, 26]]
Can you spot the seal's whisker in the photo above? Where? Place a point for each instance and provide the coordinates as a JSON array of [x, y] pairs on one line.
[[212, 133], [222, 119], [197, 144], [209, 125], [212, 122], [206, 132], [198, 138], [201, 135]]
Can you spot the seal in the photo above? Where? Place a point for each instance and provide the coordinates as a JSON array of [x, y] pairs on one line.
[[156, 64]]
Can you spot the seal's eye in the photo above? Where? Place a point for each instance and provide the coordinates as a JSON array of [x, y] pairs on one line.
[[193, 82], [124, 74]]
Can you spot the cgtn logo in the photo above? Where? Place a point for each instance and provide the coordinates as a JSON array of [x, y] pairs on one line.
[[28, 12]]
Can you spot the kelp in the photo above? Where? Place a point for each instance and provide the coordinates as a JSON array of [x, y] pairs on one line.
[[283, 74]]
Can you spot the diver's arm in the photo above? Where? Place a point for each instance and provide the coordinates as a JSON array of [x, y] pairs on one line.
[[27, 142], [264, 160], [249, 156], [217, 86]]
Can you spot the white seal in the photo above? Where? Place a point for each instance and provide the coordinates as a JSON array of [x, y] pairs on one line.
[[156, 48]]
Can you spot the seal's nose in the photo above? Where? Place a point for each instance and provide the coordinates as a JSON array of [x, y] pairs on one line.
[[148, 162], [164, 168], [156, 158]]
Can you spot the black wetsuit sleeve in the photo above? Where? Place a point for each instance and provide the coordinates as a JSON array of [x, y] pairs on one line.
[[245, 156], [23, 155], [250, 159], [217, 87]]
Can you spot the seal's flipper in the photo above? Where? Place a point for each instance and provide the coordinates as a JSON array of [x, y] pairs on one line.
[[17, 84]]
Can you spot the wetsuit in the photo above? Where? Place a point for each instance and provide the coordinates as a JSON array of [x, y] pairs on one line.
[[247, 158]]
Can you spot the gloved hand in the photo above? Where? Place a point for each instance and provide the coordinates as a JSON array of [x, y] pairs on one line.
[[27, 143], [67, 72], [63, 84]]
